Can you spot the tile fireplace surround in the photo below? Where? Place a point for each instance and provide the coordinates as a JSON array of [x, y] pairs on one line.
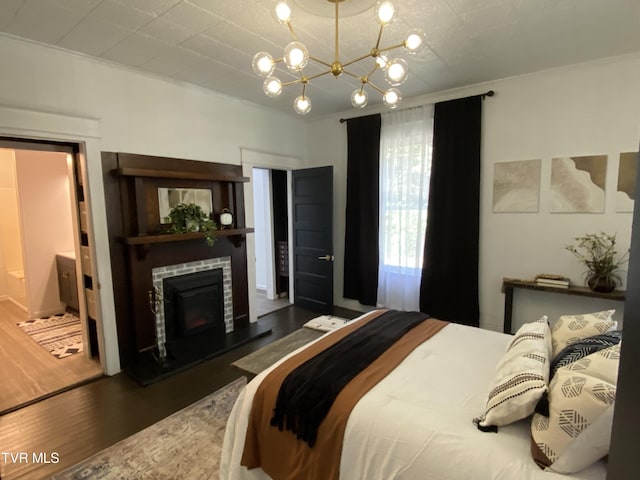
[[168, 271]]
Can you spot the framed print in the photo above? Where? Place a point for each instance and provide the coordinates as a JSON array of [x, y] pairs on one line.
[[170, 197], [516, 186], [625, 191], [578, 184]]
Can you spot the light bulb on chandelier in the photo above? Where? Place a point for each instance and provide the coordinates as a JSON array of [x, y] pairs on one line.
[[359, 98], [272, 87], [302, 105], [382, 61], [263, 64], [385, 13], [396, 72], [415, 41], [392, 97], [296, 56], [282, 12]]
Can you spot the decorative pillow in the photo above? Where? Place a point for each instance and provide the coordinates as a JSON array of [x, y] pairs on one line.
[[569, 329], [602, 364], [584, 347], [577, 431], [522, 376]]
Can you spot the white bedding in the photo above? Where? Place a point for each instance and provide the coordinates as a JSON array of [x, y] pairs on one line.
[[416, 424]]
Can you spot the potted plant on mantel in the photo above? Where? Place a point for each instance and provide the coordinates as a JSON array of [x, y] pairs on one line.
[[598, 252], [189, 217]]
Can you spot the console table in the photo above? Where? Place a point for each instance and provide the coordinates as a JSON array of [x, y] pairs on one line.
[[510, 284]]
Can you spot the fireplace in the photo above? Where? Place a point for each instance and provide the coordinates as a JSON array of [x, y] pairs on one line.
[[194, 307], [144, 253]]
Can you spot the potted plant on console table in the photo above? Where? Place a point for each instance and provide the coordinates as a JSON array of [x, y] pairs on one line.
[[188, 218], [598, 252]]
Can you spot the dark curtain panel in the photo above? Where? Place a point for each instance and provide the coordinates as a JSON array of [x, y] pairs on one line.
[[361, 232], [449, 286]]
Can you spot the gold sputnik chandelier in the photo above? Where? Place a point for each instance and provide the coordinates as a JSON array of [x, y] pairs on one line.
[[296, 56]]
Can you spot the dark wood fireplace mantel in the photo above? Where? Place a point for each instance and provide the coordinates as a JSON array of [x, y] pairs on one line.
[[139, 242], [175, 174], [144, 242], [180, 237]]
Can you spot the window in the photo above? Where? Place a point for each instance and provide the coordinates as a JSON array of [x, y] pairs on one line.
[[405, 166]]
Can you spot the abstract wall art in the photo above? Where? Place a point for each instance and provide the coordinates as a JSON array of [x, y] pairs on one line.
[[516, 186], [627, 171], [578, 184]]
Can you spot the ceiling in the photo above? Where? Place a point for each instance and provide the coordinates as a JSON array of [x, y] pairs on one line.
[[211, 43]]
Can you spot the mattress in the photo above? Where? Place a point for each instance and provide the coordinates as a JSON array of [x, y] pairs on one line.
[[417, 422]]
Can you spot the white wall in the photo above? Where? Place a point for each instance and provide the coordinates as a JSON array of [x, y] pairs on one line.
[[50, 93], [10, 239], [47, 227], [589, 109], [260, 203], [585, 109]]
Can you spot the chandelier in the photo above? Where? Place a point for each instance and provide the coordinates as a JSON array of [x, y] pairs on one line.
[[296, 56]]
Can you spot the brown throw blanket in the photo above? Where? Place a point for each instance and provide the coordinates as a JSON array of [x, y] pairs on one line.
[[306, 395], [284, 457]]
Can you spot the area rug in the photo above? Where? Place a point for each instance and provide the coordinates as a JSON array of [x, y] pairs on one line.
[[60, 335], [257, 361], [185, 445]]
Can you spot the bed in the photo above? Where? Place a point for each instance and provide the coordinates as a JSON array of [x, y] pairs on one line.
[[416, 423]]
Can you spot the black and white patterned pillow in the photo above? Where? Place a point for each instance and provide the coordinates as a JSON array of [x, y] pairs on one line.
[[569, 329], [584, 347], [521, 378], [576, 431]]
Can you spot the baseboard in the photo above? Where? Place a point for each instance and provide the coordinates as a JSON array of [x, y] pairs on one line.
[[47, 313], [16, 303]]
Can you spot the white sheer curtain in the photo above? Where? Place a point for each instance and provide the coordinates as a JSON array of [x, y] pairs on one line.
[[405, 167]]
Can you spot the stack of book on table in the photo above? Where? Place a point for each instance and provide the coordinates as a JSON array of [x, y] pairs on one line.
[[552, 280]]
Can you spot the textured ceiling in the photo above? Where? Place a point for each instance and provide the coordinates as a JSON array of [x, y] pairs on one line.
[[211, 43]]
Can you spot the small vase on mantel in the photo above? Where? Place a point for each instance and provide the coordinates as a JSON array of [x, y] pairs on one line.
[[601, 283], [192, 225]]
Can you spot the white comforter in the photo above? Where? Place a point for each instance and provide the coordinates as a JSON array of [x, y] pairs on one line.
[[416, 424]]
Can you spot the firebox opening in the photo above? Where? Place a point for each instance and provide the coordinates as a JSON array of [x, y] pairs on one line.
[[193, 307], [199, 309]]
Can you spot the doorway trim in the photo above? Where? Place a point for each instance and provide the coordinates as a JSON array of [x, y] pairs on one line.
[[30, 125], [251, 159]]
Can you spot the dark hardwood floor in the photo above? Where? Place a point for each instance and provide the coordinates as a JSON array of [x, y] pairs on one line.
[[75, 424]]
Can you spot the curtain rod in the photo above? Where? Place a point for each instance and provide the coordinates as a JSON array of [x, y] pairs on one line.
[[489, 93]]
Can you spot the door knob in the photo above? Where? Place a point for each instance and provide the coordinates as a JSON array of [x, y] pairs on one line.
[[328, 258]]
